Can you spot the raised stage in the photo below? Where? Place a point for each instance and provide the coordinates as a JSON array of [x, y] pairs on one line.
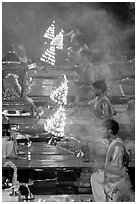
[[42, 155], [54, 171]]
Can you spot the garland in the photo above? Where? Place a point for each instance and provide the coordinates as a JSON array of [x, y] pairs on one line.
[[10, 94], [15, 182], [16, 77]]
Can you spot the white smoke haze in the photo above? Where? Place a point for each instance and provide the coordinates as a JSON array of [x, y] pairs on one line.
[[108, 38], [104, 33], [24, 24], [101, 31]]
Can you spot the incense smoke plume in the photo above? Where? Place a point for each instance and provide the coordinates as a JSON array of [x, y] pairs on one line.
[[25, 23]]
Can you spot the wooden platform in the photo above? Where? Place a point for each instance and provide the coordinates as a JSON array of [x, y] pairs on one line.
[[49, 198], [42, 155], [64, 198]]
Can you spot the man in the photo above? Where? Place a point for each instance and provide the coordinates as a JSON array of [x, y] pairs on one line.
[[36, 111], [99, 102], [88, 73], [9, 146], [111, 182], [6, 125]]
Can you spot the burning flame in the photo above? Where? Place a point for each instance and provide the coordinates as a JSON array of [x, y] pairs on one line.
[[56, 123], [56, 43], [60, 94]]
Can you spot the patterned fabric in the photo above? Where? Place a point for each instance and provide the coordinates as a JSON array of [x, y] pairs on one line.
[[115, 157], [102, 108], [109, 186], [9, 149]]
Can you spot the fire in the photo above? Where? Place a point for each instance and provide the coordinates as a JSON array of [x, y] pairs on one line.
[[60, 94], [56, 123], [56, 42]]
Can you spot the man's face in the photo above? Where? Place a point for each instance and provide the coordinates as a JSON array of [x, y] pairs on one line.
[[106, 133], [97, 92]]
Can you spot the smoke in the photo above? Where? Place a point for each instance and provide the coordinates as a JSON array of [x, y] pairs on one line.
[[102, 32], [25, 23]]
